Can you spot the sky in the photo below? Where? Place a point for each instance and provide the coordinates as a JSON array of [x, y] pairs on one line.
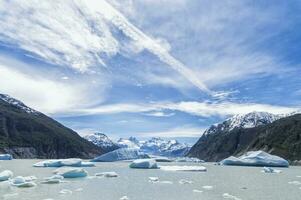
[[146, 68]]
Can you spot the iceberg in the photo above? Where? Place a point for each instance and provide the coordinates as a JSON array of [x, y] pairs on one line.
[[6, 157], [188, 159], [144, 164], [107, 174], [21, 181], [161, 159], [121, 154], [184, 168], [271, 170], [70, 162], [256, 158], [5, 175], [70, 172]]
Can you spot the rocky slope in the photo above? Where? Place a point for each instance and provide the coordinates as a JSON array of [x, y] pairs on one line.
[[254, 131], [26, 133], [101, 140]]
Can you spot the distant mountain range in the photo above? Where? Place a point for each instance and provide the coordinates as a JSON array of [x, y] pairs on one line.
[[154, 146], [27, 133], [276, 134]]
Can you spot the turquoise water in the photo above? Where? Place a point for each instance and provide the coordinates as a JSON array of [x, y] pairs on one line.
[[246, 183]]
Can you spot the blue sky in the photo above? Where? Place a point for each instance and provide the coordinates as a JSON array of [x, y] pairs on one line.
[[166, 68]]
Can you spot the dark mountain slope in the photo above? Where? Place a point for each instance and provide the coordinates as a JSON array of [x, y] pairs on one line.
[[26, 133], [281, 137]]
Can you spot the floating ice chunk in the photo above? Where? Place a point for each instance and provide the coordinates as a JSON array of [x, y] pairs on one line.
[[21, 181], [87, 164], [144, 164], [165, 182], [271, 170], [70, 162], [121, 154], [79, 190], [5, 175], [256, 158], [124, 198], [183, 181], [161, 159], [294, 182], [188, 159], [229, 196], [6, 157], [107, 174], [184, 168], [65, 191], [197, 191], [53, 179], [207, 187], [153, 179], [69, 172]]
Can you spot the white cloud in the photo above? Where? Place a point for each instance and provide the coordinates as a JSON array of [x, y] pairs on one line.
[[47, 95], [203, 109], [159, 114], [183, 131], [78, 33]]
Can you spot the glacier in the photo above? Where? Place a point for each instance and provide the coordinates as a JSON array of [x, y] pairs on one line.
[[121, 154], [256, 158], [144, 164]]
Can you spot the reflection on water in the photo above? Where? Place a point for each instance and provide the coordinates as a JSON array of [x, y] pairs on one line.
[[219, 182]]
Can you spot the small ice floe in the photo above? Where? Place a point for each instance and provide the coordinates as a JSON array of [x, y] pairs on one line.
[[271, 170], [183, 181], [21, 181], [78, 189], [207, 187], [197, 191], [144, 164], [5, 175], [6, 157], [184, 168], [153, 179], [53, 179], [188, 159], [70, 172], [256, 158], [294, 183], [65, 191], [70, 162], [124, 198], [165, 182], [107, 174], [229, 196]]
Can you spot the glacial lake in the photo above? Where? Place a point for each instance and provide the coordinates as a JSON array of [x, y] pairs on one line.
[[245, 183]]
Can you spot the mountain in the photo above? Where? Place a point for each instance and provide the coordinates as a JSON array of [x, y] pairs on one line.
[[231, 137], [156, 146], [27, 133], [101, 140]]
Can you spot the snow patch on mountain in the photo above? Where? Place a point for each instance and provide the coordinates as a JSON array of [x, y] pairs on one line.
[[249, 120], [16, 103], [103, 141]]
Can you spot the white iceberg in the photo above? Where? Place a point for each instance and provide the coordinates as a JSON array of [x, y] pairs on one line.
[[229, 196], [144, 164], [121, 154], [65, 191], [153, 179], [188, 159], [271, 170], [70, 162], [69, 172], [124, 198], [6, 157], [161, 159], [21, 181], [5, 175], [183, 181], [107, 174], [207, 187], [256, 158], [53, 179], [184, 168]]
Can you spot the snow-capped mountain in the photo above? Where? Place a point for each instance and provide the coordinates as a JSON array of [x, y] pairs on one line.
[[249, 120], [156, 146], [16, 103], [101, 140]]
